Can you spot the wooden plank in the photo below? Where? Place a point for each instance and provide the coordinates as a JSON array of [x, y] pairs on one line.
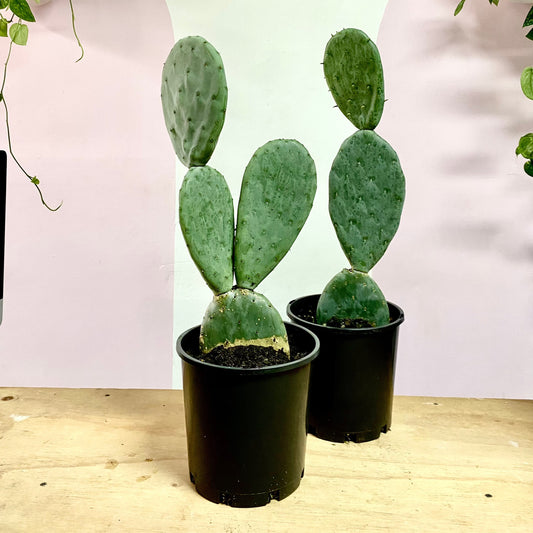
[[115, 460]]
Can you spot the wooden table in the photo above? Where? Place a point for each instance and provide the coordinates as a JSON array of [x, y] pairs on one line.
[[115, 460]]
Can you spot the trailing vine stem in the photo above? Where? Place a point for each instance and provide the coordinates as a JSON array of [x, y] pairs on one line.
[[33, 179], [75, 33]]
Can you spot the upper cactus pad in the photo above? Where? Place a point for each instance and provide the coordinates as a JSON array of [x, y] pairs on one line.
[[207, 220], [194, 97], [354, 74], [366, 194], [277, 194]]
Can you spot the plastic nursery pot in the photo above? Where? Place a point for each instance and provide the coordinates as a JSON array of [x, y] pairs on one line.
[[352, 380], [246, 428]]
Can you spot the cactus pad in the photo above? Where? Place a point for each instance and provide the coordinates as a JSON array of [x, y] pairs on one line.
[[242, 317], [207, 221], [277, 193], [194, 96], [366, 194], [354, 74], [353, 296]]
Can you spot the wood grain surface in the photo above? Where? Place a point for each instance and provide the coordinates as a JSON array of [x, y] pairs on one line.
[[115, 460]]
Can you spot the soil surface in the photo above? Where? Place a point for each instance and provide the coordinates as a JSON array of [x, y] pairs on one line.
[[250, 356], [354, 323]]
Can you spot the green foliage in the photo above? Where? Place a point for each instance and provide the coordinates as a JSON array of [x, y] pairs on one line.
[[18, 33], [277, 193], [525, 149], [194, 96], [242, 317], [360, 96], [525, 146], [526, 82], [353, 296], [206, 220], [366, 194], [366, 187]]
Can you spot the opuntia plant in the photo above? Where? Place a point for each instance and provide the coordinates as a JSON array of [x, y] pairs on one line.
[[276, 196], [366, 184]]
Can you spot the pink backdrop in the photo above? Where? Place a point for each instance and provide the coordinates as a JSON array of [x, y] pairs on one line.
[[88, 290]]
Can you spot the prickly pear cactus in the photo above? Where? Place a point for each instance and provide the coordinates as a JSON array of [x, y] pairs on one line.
[[366, 192], [277, 193], [242, 317], [366, 184], [354, 74], [207, 222], [194, 97], [353, 297]]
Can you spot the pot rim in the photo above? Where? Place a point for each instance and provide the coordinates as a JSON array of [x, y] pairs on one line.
[[394, 324], [273, 369]]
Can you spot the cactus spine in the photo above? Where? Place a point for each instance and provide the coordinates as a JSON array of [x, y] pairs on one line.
[[277, 193], [366, 183]]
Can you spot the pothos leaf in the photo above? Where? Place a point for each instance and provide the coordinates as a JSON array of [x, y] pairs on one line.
[[529, 18], [459, 8], [4, 4], [19, 33], [22, 10], [526, 82], [3, 27], [525, 146], [528, 167]]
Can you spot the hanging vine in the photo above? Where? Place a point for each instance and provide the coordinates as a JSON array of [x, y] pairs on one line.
[[14, 14]]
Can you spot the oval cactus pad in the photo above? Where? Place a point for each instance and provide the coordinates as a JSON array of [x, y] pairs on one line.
[[366, 195], [207, 222], [242, 317], [194, 96], [354, 74], [277, 193], [353, 296]]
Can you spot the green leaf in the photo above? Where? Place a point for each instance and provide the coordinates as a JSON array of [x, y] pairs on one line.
[[530, 35], [525, 146], [526, 82], [22, 10], [528, 167], [529, 18], [3, 27], [19, 33], [4, 4], [495, 2], [459, 7]]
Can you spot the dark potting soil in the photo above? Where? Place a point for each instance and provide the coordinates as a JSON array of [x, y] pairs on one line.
[[355, 323], [250, 356]]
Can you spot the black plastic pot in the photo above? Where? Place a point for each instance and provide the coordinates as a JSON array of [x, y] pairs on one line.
[[246, 428], [352, 380]]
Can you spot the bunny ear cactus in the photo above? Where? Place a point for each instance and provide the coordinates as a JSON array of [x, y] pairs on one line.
[[194, 96], [277, 193], [366, 184]]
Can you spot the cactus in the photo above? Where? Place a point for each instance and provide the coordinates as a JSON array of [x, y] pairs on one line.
[[277, 193], [194, 96], [358, 94], [366, 184]]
